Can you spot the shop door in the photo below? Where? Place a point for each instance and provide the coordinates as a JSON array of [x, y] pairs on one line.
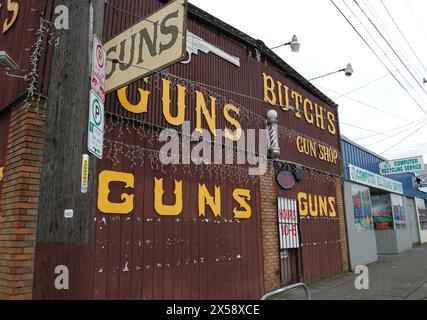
[[412, 220], [289, 266], [289, 235]]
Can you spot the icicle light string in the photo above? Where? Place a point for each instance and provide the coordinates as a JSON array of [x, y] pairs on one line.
[[44, 36], [138, 155]]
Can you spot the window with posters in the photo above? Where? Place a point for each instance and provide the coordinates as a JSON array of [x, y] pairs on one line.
[[422, 213], [398, 212], [362, 208], [382, 212]]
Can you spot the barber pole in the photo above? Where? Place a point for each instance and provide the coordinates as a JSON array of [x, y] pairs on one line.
[[273, 135]]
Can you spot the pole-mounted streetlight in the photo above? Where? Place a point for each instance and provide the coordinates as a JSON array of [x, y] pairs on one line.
[[294, 44], [348, 70]]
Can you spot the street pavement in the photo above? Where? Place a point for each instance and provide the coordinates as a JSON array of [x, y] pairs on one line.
[[393, 277]]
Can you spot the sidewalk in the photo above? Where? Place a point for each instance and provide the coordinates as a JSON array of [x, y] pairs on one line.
[[393, 277]]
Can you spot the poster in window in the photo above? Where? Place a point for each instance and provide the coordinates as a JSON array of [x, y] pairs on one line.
[[382, 212], [398, 212], [362, 208], [422, 213]]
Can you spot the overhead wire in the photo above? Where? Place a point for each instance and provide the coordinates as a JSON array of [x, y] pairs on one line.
[[364, 103], [396, 134], [403, 139], [379, 133], [389, 34], [391, 47], [377, 56], [362, 87], [391, 130], [387, 56], [416, 19], [404, 37]]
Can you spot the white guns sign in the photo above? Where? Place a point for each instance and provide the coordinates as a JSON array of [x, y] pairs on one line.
[[196, 44]]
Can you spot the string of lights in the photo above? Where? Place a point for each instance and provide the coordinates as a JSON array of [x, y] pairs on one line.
[[44, 36], [148, 134]]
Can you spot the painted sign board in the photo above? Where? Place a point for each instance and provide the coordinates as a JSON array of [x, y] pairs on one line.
[[152, 44], [371, 179], [96, 125], [420, 181], [99, 61], [414, 164], [288, 223]]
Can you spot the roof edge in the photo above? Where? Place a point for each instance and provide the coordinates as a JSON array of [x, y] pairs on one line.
[[273, 58]]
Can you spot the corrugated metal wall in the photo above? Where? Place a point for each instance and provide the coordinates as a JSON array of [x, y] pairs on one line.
[[146, 256], [18, 43], [322, 248]]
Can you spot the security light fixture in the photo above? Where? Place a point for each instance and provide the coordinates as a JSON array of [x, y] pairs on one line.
[[424, 81], [7, 63], [348, 71], [294, 44]]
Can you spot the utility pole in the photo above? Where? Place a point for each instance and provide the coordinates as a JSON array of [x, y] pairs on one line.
[[65, 142]]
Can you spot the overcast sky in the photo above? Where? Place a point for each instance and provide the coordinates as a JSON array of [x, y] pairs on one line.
[[328, 43]]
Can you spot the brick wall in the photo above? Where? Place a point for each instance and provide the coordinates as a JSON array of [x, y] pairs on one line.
[[18, 204], [270, 230], [342, 225]]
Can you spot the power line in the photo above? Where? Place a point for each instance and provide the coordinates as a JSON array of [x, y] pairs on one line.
[[403, 36], [403, 148], [416, 19], [394, 41], [365, 104], [385, 54], [361, 87], [397, 133], [391, 47], [376, 55], [409, 135], [403, 126], [379, 133]]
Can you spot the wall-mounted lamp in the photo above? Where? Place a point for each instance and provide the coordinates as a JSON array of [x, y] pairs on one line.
[[294, 44], [348, 70]]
